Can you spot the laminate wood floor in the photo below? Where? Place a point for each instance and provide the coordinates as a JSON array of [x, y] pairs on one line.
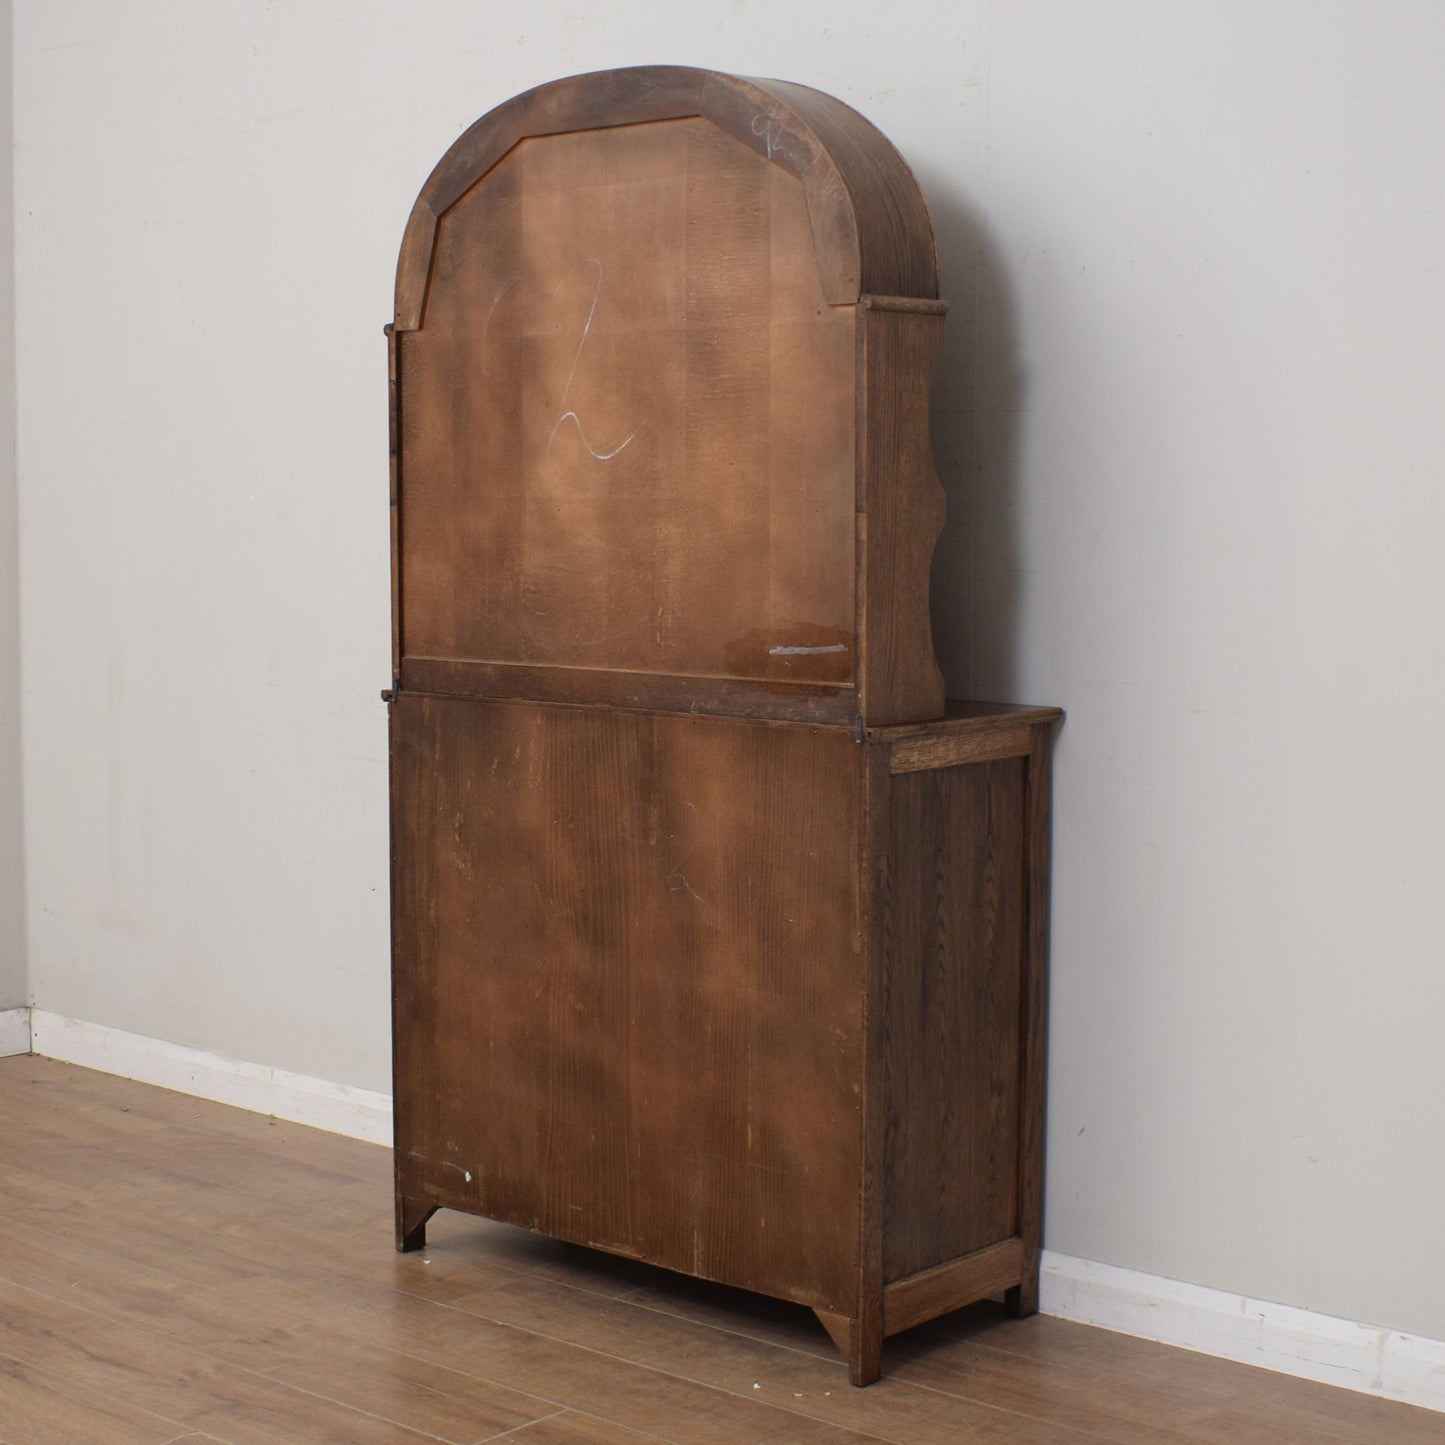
[[173, 1270]]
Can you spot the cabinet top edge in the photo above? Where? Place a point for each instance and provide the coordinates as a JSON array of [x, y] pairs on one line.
[[960, 716]]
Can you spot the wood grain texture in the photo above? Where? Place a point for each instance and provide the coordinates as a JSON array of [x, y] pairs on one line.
[[225, 1245], [393, 449], [631, 367], [663, 983], [953, 957], [933, 1292], [869, 223], [628, 984], [627, 426], [725, 697], [667, 813], [1033, 1031], [901, 506], [951, 747]]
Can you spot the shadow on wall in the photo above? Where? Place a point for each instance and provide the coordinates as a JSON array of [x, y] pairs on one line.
[[977, 403]]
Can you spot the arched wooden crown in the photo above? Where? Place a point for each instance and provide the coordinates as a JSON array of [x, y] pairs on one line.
[[661, 358]]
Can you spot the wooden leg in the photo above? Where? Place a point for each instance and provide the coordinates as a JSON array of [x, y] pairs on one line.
[[860, 1342], [865, 1358], [411, 1218], [1023, 1299]]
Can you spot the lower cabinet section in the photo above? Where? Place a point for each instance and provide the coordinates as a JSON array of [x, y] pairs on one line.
[[761, 1002]]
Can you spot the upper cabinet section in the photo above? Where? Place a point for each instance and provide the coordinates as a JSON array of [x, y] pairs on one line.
[[661, 365]]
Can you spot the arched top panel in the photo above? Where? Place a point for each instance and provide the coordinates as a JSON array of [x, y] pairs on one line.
[[870, 227], [661, 359]]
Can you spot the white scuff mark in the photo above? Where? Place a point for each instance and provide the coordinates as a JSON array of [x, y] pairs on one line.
[[677, 880], [497, 296], [805, 651], [683, 883], [601, 456], [771, 133]]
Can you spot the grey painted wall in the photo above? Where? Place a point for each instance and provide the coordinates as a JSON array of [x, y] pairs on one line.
[[14, 986]]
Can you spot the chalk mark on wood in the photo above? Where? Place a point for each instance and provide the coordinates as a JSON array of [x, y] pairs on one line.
[[605, 456]]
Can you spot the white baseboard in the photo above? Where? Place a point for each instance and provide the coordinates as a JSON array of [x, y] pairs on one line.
[[338, 1108], [14, 1032], [1382, 1362], [1298, 1342]]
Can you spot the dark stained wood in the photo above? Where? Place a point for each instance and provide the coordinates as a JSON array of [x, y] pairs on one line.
[[727, 697], [698, 890], [665, 981], [1033, 1033], [954, 957], [629, 977], [630, 378], [933, 1292], [393, 425], [961, 715], [411, 1217], [948, 748], [865, 1341], [901, 505]]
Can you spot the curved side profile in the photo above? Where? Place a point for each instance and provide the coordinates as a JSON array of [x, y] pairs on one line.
[[660, 373], [871, 230]]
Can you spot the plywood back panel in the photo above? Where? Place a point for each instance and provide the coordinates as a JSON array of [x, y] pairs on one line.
[[629, 419], [628, 983], [641, 430]]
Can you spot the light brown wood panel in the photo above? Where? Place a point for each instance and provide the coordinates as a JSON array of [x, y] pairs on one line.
[[39, 1408], [107, 1345], [628, 984], [568, 1427], [870, 228], [627, 422], [636, 365], [809, 1387]]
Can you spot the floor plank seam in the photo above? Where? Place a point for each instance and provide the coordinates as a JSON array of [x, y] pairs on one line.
[[1084, 1430], [343, 1404], [517, 1429], [85, 1396], [645, 1434], [673, 1374], [741, 1334]]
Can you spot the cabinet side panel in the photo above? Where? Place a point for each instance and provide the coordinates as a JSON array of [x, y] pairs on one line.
[[953, 940], [901, 505], [415, 798], [637, 949]]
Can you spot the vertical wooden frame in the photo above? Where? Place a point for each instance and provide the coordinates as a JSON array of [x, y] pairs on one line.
[[1024, 1298], [900, 509]]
